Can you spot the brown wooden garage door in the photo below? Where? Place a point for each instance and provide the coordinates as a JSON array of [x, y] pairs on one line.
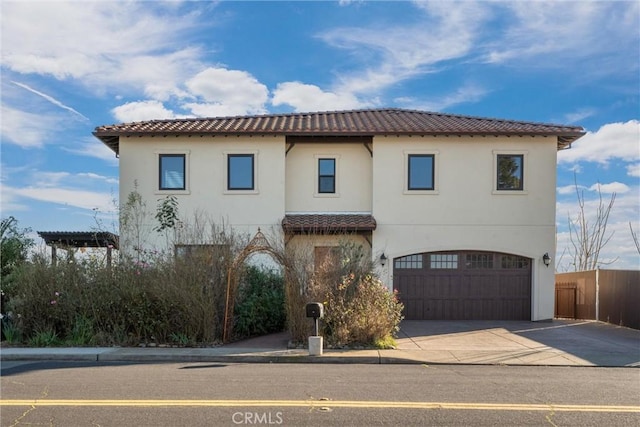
[[464, 285]]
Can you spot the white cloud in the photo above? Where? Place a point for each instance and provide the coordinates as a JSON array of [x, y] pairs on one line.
[[218, 91], [582, 31], [85, 190], [611, 141], [160, 75], [68, 197], [215, 110], [141, 111], [305, 97], [95, 176], [569, 189], [236, 91], [634, 170], [28, 130], [445, 33], [8, 201], [612, 187], [579, 115], [49, 179], [110, 44], [92, 147], [464, 94]]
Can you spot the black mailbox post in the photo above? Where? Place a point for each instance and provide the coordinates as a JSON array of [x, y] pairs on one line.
[[315, 310]]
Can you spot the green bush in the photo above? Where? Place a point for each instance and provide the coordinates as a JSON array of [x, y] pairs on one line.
[[260, 307], [15, 244], [157, 298], [44, 338], [10, 331], [82, 332], [128, 304], [359, 309]]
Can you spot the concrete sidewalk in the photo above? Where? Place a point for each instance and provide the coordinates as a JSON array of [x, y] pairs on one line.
[[557, 343]]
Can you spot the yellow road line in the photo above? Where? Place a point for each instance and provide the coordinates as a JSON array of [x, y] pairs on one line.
[[326, 403]]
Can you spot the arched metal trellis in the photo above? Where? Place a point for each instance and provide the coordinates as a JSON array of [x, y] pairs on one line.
[[259, 243]]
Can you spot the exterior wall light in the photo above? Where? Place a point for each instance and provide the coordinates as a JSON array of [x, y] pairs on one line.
[[546, 259], [383, 259]]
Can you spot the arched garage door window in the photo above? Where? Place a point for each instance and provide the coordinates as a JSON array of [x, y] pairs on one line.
[[464, 285]]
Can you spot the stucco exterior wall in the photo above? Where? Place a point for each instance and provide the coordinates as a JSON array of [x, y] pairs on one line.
[[464, 211], [206, 195], [353, 178]]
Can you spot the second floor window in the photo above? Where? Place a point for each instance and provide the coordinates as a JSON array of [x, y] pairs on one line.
[[326, 175], [172, 172], [240, 172], [421, 172], [510, 173]]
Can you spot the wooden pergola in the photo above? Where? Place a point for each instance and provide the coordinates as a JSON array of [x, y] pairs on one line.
[[80, 239]]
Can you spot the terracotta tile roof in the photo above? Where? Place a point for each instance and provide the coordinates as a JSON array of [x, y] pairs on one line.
[[327, 223], [389, 121]]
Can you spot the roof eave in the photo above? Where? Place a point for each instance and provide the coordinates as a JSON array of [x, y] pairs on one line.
[[112, 141], [111, 137]]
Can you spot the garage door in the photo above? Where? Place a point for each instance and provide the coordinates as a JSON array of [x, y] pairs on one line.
[[464, 285]]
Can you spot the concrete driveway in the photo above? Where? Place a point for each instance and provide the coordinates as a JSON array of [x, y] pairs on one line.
[[557, 342]]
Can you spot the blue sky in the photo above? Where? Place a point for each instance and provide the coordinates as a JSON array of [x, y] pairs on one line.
[[68, 67]]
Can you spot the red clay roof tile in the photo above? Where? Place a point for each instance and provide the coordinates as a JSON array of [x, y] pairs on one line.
[[390, 121], [327, 223]]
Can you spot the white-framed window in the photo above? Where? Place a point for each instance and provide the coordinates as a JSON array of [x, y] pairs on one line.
[[421, 172], [241, 172], [510, 172], [327, 175], [172, 172]]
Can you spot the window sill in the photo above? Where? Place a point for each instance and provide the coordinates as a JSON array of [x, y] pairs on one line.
[[241, 192], [510, 192], [326, 195], [421, 192], [171, 192]]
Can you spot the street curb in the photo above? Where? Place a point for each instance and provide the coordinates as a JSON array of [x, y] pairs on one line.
[[265, 359]]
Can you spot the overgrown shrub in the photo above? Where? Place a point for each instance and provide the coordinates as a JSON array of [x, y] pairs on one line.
[[297, 274], [84, 303], [359, 309], [180, 299], [260, 303]]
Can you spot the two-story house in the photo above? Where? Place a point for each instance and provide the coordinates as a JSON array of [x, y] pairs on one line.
[[459, 212]]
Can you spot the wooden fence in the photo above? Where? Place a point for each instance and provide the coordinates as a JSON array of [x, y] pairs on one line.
[[611, 296]]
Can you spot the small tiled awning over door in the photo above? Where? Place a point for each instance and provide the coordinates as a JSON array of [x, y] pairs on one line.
[[328, 223], [464, 285]]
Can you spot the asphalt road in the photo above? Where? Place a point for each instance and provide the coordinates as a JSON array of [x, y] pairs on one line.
[[199, 394]]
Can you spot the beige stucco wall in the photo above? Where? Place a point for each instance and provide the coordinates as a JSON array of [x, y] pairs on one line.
[[464, 211], [353, 178], [206, 195]]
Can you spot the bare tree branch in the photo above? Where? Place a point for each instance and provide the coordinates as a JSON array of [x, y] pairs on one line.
[[588, 239], [635, 237]]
